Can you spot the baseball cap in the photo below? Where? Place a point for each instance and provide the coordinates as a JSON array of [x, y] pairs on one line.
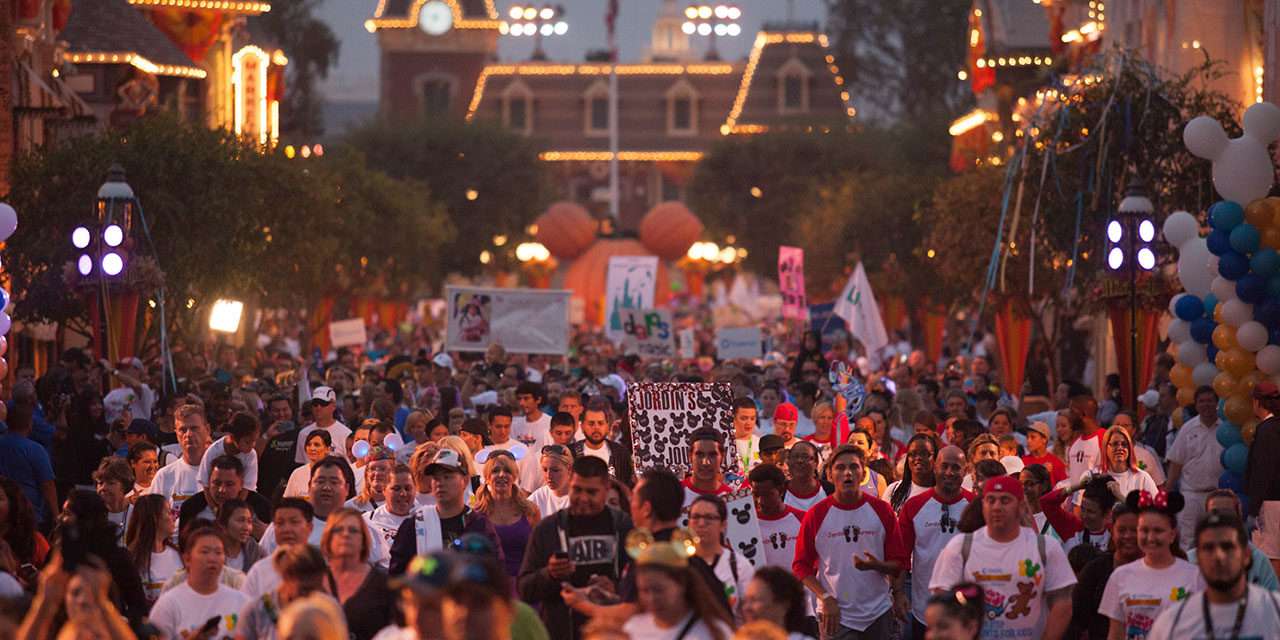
[[786, 411], [1012, 464], [1266, 390], [1003, 484], [1041, 428], [447, 460], [771, 442], [323, 394], [443, 359]]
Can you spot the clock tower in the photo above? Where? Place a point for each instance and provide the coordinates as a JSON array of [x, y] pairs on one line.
[[432, 53]]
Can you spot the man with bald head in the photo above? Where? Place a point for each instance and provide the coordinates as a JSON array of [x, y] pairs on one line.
[[926, 522]]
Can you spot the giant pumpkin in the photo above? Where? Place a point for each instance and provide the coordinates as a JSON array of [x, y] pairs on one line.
[[669, 229], [587, 275], [566, 230]]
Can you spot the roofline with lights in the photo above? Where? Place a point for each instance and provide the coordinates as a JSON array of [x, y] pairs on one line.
[[380, 21]]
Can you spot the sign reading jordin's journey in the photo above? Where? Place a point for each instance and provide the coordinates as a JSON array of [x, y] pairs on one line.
[[663, 414]]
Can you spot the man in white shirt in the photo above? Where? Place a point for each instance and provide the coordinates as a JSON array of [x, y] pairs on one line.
[[242, 435], [324, 402], [136, 395], [327, 492], [398, 505], [1026, 576], [596, 422], [179, 480], [927, 522], [532, 427], [500, 437], [1195, 462], [744, 433], [292, 522]]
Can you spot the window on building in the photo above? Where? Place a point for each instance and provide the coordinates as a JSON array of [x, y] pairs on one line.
[[517, 107], [793, 87], [682, 109], [595, 105], [682, 113], [436, 94], [600, 113], [793, 92], [518, 113]]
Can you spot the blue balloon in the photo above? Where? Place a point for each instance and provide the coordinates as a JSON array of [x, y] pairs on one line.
[[1210, 303], [1202, 330], [4, 299], [1232, 265], [1245, 238], [1232, 481], [1235, 458], [1190, 307], [1273, 336], [1265, 262], [1251, 288], [1229, 434], [1211, 351], [1218, 242], [1268, 313], [1273, 287], [1226, 215]]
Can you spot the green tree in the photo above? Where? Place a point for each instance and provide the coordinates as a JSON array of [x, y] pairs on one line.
[[489, 179], [312, 49]]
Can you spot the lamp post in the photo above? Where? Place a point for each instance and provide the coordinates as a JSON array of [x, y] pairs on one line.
[[537, 21], [714, 20], [1129, 251], [537, 263], [103, 247]]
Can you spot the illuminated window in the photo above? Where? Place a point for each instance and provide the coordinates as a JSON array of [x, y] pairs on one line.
[[793, 87], [682, 109], [437, 94], [596, 101], [517, 107]]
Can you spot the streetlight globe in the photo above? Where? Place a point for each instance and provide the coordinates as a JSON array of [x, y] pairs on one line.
[[113, 235], [721, 30], [704, 29], [112, 264], [722, 11], [689, 28], [516, 12], [728, 255], [530, 13], [1147, 230], [562, 28], [547, 13], [85, 264], [1146, 258], [1115, 258], [691, 13], [735, 13], [734, 29], [705, 12], [547, 29], [80, 237], [524, 252], [1115, 231]]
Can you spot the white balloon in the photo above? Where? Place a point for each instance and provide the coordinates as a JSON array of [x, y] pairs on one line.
[[5, 323], [1193, 270], [1251, 335], [1223, 289], [1179, 331], [1180, 227], [1173, 303], [1205, 138], [1203, 374], [1268, 359], [1236, 312], [1192, 353], [1242, 170], [1262, 122], [393, 441], [8, 221]]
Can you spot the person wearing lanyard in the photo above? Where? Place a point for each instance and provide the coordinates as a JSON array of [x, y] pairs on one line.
[[1229, 607], [744, 433]]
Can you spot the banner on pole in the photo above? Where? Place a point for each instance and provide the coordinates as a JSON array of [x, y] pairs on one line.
[[649, 333], [521, 320], [663, 414], [791, 283], [740, 343], [857, 305], [347, 333], [629, 285]]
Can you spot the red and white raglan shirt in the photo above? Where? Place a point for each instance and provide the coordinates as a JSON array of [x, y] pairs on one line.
[[1069, 527], [1084, 455], [927, 522], [691, 494], [803, 503], [780, 534], [831, 534]]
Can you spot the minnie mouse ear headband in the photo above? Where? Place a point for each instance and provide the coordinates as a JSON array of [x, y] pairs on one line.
[[1166, 502], [673, 553]]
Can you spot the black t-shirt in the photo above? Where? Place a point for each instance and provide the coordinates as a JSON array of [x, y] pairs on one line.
[[371, 607], [452, 528], [277, 462], [593, 547], [1085, 598]]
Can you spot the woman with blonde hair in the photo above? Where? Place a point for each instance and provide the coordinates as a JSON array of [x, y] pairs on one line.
[[1119, 462], [377, 474], [361, 585], [315, 617], [506, 505]]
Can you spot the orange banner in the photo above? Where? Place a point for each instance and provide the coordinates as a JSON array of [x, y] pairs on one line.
[[1013, 333], [1148, 336]]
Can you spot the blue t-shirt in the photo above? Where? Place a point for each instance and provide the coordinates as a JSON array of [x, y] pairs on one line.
[[27, 463]]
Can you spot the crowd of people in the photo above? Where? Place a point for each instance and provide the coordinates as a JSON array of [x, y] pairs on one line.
[[402, 493]]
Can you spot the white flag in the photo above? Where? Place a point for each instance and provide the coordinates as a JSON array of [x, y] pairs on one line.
[[857, 305]]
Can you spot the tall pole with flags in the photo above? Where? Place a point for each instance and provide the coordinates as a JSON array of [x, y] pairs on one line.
[[611, 21]]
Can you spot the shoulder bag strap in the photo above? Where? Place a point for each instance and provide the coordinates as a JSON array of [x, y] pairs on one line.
[[1040, 547], [965, 548], [684, 631]]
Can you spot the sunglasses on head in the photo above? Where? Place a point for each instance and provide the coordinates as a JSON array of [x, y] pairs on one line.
[[556, 449]]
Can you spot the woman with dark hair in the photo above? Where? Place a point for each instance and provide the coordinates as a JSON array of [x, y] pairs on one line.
[[236, 518], [148, 540], [1139, 591], [317, 446], [84, 530], [708, 519], [674, 600], [18, 528], [956, 614], [775, 595], [917, 472], [1035, 483]]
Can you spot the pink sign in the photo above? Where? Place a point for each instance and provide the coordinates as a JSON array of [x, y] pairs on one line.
[[791, 283]]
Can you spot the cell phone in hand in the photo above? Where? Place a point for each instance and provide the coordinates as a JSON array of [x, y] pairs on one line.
[[560, 555], [210, 626]]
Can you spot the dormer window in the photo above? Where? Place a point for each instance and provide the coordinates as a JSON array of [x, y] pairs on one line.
[[596, 116], [793, 87], [517, 108], [436, 93], [682, 109]]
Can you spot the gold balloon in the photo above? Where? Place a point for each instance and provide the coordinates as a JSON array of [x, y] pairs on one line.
[[1271, 237], [1239, 362], [1186, 397], [1224, 384], [1180, 376], [1249, 430], [1248, 381], [1224, 337], [1220, 360], [1238, 409], [1259, 213], [1217, 315]]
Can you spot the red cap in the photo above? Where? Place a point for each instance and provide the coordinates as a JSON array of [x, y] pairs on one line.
[[1266, 390], [1003, 484], [786, 411]]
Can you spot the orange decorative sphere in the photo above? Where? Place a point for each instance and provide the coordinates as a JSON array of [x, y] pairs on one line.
[[566, 230], [669, 229], [587, 275]]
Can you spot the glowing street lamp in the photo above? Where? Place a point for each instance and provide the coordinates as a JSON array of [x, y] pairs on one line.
[[1130, 238], [714, 20], [225, 316], [538, 21], [101, 245]]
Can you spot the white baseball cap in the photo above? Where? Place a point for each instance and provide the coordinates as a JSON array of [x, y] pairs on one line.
[[323, 394], [443, 359]]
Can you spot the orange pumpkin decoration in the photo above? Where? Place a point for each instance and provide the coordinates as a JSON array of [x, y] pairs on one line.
[[587, 275], [566, 230], [669, 229]]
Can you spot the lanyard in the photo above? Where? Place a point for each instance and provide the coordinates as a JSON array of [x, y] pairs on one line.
[[1235, 629]]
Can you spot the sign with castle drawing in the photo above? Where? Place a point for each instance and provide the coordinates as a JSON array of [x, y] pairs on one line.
[[629, 285]]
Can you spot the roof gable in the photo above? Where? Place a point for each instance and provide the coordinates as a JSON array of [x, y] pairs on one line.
[[116, 27]]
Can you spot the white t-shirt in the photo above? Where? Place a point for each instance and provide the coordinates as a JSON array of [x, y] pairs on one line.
[[163, 566], [261, 579], [337, 431], [804, 503], [831, 534], [384, 524], [1131, 480], [1196, 448], [642, 626], [1012, 575], [602, 452], [182, 610], [748, 451], [733, 588], [927, 523], [547, 501], [1136, 593], [1085, 454], [299, 484], [779, 535], [249, 459], [177, 481], [1261, 619], [139, 404], [531, 433]]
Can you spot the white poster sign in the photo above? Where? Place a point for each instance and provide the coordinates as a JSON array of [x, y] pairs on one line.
[[688, 343], [629, 285], [648, 333], [743, 531], [743, 342], [521, 320], [663, 414], [347, 333]]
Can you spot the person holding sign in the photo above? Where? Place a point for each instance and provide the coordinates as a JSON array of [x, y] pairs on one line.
[[706, 457]]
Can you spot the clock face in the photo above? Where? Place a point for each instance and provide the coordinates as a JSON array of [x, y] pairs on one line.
[[436, 18]]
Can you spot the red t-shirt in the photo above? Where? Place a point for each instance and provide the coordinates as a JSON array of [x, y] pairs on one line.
[[1057, 468]]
